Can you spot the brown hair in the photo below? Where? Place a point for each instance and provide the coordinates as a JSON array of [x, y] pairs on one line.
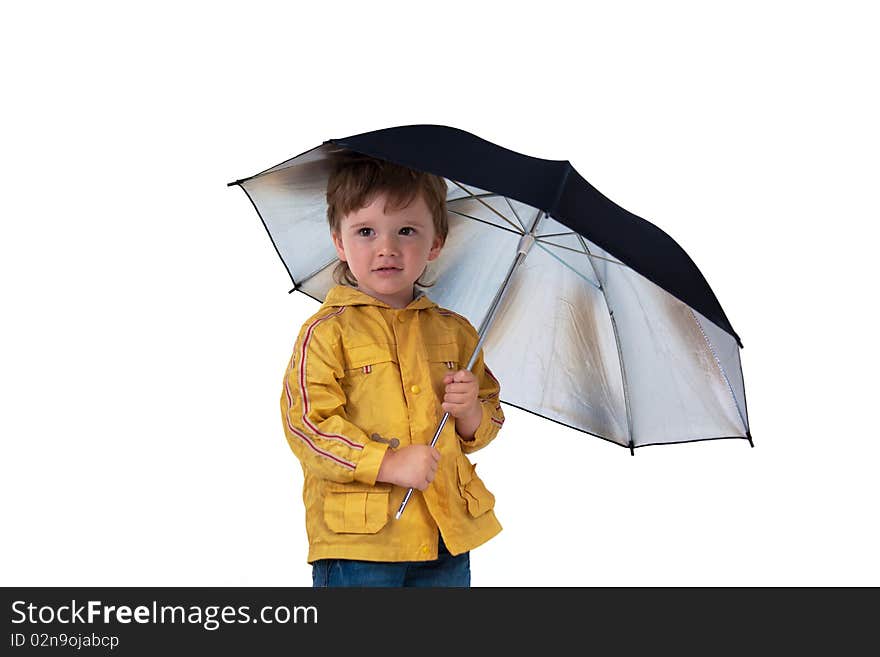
[[354, 181]]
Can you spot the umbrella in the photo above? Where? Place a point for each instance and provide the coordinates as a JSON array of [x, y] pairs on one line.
[[601, 321]]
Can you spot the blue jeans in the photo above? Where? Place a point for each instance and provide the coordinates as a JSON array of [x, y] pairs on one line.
[[445, 571]]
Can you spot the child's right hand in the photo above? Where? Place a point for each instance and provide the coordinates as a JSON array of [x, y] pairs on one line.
[[413, 466]]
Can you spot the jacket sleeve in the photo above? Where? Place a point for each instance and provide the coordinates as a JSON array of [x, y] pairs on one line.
[[313, 411], [488, 395]]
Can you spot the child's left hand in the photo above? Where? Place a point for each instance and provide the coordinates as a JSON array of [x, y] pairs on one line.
[[460, 399]]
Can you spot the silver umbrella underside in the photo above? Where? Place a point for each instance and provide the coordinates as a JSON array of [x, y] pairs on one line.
[[579, 338]]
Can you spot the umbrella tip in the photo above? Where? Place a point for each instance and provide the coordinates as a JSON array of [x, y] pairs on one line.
[[632, 448]]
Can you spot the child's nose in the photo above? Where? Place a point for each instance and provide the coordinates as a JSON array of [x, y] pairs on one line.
[[388, 246]]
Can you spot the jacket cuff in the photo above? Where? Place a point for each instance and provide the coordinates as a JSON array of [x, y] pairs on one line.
[[490, 423], [368, 464], [487, 429]]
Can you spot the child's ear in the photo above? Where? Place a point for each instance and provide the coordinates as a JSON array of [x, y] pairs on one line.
[[337, 242], [436, 247]]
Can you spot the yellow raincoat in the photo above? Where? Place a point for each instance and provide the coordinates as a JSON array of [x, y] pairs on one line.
[[359, 368]]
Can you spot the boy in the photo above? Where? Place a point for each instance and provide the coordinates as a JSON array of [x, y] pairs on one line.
[[372, 373]]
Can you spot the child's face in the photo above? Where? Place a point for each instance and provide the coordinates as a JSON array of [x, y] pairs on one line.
[[370, 239]]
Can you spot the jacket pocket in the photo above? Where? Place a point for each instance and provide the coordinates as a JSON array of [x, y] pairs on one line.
[[356, 508], [442, 360], [472, 489], [371, 373], [445, 354], [360, 360]]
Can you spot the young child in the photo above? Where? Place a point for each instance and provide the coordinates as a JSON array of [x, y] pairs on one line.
[[372, 373]]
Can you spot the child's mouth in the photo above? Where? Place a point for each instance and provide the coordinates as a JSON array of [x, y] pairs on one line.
[[388, 270]]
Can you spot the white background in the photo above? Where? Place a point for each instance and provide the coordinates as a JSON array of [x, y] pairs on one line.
[[147, 325]]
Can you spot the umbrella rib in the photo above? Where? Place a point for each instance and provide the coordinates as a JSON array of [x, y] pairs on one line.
[[316, 272], [622, 374], [490, 195], [720, 368], [568, 266], [483, 221], [476, 198], [512, 209], [568, 248], [571, 232], [468, 198], [617, 344]]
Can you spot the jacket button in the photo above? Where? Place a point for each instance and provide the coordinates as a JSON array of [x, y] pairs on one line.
[[424, 549], [400, 318], [415, 390]]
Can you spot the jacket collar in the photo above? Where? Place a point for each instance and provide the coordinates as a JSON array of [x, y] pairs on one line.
[[345, 295]]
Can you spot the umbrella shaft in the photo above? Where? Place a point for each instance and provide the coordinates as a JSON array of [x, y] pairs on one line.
[[522, 250]]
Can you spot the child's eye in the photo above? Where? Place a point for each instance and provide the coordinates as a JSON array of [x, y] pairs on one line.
[[359, 231]]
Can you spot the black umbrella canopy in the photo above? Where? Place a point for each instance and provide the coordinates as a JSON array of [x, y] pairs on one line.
[[550, 185], [606, 326]]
